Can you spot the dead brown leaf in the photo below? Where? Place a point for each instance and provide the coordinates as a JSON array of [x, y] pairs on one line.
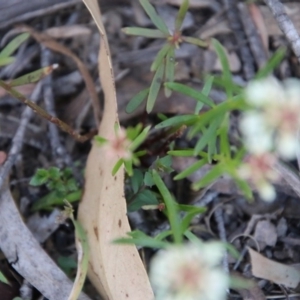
[[116, 270], [260, 24], [265, 268], [265, 234], [68, 31]]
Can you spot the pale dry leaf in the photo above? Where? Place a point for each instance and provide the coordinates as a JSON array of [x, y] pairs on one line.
[[265, 234], [265, 268], [3, 157], [260, 24], [116, 270], [282, 227], [82, 259], [68, 31]]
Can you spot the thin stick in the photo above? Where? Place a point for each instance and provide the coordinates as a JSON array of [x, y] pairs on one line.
[[17, 141], [59, 152], [285, 24], [41, 112], [289, 176], [236, 26], [255, 41], [218, 214]]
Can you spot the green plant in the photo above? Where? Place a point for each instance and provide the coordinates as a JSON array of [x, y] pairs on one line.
[[179, 225], [139, 193], [5, 54], [3, 278], [208, 125], [163, 65], [61, 185]]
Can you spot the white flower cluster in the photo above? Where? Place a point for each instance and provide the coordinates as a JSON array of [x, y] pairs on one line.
[[258, 169], [189, 272], [275, 120], [272, 126]]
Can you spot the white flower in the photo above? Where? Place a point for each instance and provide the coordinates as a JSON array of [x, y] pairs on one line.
[[287, 146], [275, 120], [266, 191], [257, 137], [258, 169], [264, 92], [189, 272]]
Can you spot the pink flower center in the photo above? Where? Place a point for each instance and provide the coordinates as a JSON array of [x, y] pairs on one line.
[[119, 143], [187, 278], [289, 119]]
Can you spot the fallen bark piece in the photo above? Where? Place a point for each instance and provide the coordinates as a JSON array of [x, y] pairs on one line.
[[26, 255], [116, 270]]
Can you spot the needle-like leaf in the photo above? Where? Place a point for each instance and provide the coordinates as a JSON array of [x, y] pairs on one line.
[[33, 76], [14, 45], [155, 87], [136, 101], [150, 33], [181, 14], [160, 56], [155, 18], [194, 41]]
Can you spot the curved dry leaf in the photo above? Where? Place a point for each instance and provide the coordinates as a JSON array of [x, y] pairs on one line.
[[265, 268], [82, 260], [116, 270], [260, 24], [68, 31]]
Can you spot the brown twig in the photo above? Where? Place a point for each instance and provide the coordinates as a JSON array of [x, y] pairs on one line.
[[285, 24], [59, 152], [218, 214], [255, 41], [44, 114], [21, 11], [52, 44]]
